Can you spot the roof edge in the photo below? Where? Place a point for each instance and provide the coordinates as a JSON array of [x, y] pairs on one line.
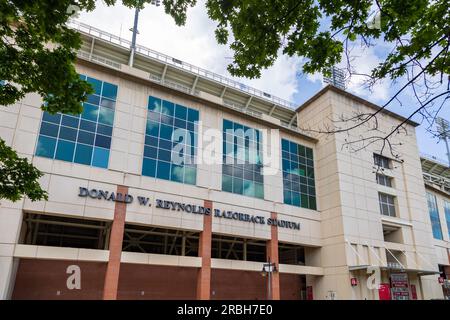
[[349, 95]]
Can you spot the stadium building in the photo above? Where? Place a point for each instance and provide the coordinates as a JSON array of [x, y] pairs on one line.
[[124, 220]]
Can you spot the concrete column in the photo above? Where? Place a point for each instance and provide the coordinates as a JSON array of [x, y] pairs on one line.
[[272, 254], [204, 251], [115, 248]]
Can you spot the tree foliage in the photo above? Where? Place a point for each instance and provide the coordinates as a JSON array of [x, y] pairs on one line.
[[38, 50], [18, 176]]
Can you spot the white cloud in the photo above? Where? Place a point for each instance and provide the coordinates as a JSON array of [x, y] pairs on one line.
[[363, 60], [193, 43]]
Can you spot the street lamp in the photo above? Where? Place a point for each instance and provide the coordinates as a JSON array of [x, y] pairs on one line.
[[267, 270], [156, 3]]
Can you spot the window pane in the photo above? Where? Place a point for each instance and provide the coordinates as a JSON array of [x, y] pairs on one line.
[[87, 125], [287, 197], [381, 161], [109, 91], [103, 141], [238, 185], [227, 125], [163, 170], [69, 121], [83, 154], [227, 183], [152, 128], [149, 167], [177, 173], [100, 158], [65, 150], [154, 116], [165, 144], [46, 147], [105, 130], [107, 103], [296, 199], [96, 85], [151, 141], [106, 116], [68, 134], [168, 108], [249, 188], [90, 112], [180, 112], [49, 129], [193, 115], [304, 201], [164, 155], [150, 152], [54, 118], [312, 203], [154, 104], [86, 137], [166, 132], [167, 119], [93, 99]]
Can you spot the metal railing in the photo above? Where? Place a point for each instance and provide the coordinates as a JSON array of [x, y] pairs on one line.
[[434, 159], [444, 183], [95, 32], [92, 57]]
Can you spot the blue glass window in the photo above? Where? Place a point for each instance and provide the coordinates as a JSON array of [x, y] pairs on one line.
[[434, 216], [46, 147], [96, 84], [167, 145], [49, 129], [298, 175], [65, 150], [447, 215], [69, 121], [241, 171], [53, 118], [109, 91], [100, 157], [83, 154], [84, 138]]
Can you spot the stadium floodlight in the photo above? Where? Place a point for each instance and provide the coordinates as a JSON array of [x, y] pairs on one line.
[[135, 31], [337, 78], [443, 128]]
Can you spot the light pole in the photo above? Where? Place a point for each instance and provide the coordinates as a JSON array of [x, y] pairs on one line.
[[267, 269], [135, 31], [443, 127]]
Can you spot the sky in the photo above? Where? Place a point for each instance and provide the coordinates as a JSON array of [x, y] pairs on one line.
[[195, 43]]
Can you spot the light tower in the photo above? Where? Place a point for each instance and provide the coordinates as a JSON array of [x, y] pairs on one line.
[[443, 128], [135, 31], [337, 78]]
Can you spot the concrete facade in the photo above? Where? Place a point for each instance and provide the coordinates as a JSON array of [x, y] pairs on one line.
[[341, 239]]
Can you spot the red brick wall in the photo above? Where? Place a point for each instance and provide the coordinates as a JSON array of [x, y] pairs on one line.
[[115, 248], [238, 285], [157, 282], [290, 286], [247, 285], [204, 251], [41, 279]]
